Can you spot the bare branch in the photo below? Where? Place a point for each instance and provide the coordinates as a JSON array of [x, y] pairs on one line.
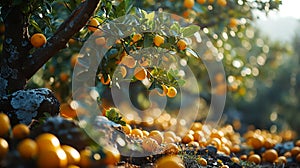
[[72, 25]]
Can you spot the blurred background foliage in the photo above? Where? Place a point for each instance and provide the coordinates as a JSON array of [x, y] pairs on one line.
[[262, 76]]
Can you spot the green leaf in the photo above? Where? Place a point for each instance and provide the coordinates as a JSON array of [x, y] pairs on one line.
[[175, 27], [190, 30], [35, 25]]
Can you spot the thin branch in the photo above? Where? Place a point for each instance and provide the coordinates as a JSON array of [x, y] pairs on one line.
[[60, 38]]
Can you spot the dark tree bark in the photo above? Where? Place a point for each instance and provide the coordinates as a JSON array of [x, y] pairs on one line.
[[18, 65]]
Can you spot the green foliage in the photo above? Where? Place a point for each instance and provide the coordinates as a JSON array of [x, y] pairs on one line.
[[113, 114]]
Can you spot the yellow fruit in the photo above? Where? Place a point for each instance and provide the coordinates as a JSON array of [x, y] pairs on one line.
[[85, 158], [145, 133], [201, 1], [73, 155], [216, 134], [295, 151], [202, 161], [158, 40], [136, 37], [189, 3], [156, 135], [28, 148], [149, 144], [198, 135], [93, 25], [171, 161], [171, 149], [222, 2], [112, 155], [254, 158], [297, 143], [52, 158], [100, 41], [20, 131], [211, 1], [181, 44], [187, 139], [235, 148], [4, 124], [47, 141], [127, 129], [137, 133], [3, 147], [235, 160], [256, 141], [140, 73], [172, 92], [38, 40], [164, 91]]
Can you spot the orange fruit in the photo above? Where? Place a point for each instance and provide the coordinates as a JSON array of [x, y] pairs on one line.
[[297, 143], [47, 141], [38, 40], [198, 135], [298, 158], [215, 142], [67, 111], [181, 44], [172, 92], [235, 148], [196, 126], [211, 1], [3, 147], [74, 59], [233, 22], [137, 132], [187, 138], [63, 77], [235, 160], [170, 134], [20, 131], [158, 40], [222, 2], [93, 24], [140, 73], [244, 157], [28, 148], [216, 134], [164, 91], [225, 150], [73, 155], [102, 79], [255, 158], [128, 61], [201, 1], [270, 155], [202, 161], [189, 3], [150, 144], [136, 37], [156, 135], [4, 124], [126, 128], [85, 158], [173, 161], [256, 141], [112, 155], [100, 41], [52, 158], [145, 133], [171, 149]]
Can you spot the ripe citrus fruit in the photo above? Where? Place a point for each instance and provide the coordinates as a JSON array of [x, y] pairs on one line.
[[181, 44], [112, 155], [47, 141], [156, 135], [254, 158], [127, 129], [52, 158], [189, 3], [137, 133], [164, 91], [172, 92], [140, 73], [3, 147], [136, 37], [28, 148], [270, 155], [38, 40], [67, 111], [93, 25], [85, 156], [187, 138], [73, 155], [233, 22], [170, 161], [20, 131], [4, 124], [171, 149], [128, 61], [158, 40]]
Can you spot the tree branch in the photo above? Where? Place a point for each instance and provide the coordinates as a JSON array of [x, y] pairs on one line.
[[59, 40]]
